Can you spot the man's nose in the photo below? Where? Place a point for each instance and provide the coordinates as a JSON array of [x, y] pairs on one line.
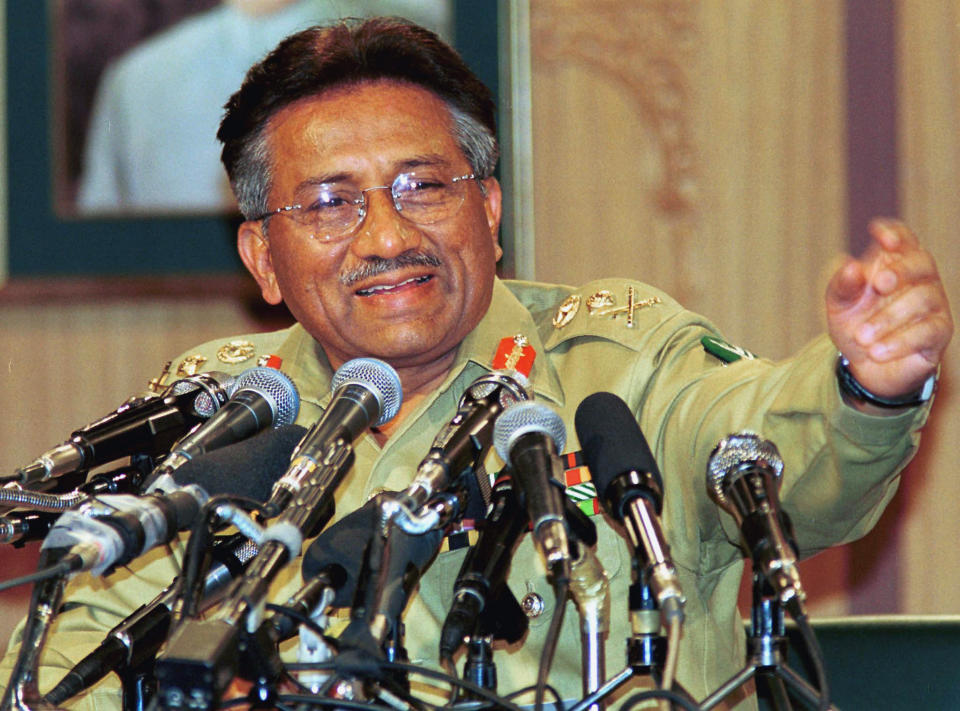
[[384, 232]]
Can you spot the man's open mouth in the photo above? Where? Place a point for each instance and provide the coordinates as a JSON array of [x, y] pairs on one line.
[[388, 288]]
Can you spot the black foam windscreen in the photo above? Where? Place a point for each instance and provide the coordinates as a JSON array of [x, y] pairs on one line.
[[248, 468], [611, 440], [344, 544]]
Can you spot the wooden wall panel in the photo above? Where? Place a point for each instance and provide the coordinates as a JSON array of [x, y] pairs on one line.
[[929, 81], [697, 146]]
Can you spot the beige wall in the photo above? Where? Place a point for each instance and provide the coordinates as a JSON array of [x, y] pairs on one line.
[[929, 60], [714, 134]]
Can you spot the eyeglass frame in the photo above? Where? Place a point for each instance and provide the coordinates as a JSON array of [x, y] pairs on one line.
[[362, 206]]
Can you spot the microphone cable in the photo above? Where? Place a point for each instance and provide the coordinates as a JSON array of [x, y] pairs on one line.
[[500, 702], [673, 697], [672, 657], [196, 557], [816, 658], [63, 567], [550, 642]]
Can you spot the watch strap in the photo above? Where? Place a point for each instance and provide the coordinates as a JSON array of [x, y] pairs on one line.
[[852, 387]]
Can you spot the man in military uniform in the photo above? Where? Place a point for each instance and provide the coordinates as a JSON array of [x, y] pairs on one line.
[[330, 145]]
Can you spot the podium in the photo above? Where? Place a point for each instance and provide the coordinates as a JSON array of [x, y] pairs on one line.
[[888, 662]]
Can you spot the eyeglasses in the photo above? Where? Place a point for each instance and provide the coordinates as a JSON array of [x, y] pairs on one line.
[[332, 211]]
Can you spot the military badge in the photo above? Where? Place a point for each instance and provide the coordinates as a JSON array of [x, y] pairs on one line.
[[235, 352]]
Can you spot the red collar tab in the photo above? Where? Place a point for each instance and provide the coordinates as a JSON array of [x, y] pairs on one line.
[[515, 353]]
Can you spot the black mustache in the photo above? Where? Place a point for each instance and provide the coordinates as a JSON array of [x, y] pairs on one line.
[[375, 266]]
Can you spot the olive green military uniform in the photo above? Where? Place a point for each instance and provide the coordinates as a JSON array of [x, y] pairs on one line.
[[840, 468]]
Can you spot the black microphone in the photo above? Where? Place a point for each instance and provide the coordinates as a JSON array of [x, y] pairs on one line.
[[630, 488], [21, 527], [463, 442], [266, 454], [366, 393], [201, 656], [110, 530], [330, 578], [263, 397], [483, 574], [343, 544], [249, 468], [530, 436], [138, 638], [140, 426], [743, 477]]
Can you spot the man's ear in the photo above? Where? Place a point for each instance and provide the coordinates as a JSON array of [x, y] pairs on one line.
[[255, 253], [493, 206]]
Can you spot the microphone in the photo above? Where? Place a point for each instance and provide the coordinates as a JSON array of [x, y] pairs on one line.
[[201, 657], [110, 530], [630, 488], [342, 544], [331, 577], [366, 393], [462, 443], [248, 468], [529, 436], [392, 565], [263, 397], [142, 425], [138, 638], [266, 454], [743, 477], [20, 527], [483, 574]]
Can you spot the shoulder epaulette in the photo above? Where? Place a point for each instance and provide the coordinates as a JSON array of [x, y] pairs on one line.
[[608, 308]]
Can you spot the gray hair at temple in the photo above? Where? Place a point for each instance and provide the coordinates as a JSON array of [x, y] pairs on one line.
[[350, 52]]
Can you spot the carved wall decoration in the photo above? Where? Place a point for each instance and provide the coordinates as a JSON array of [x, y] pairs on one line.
[[647, 48]]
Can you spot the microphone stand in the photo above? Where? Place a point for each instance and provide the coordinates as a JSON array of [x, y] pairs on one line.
[[590, 591], [646, 648], [23, 692], [766, 654], [371, 638]]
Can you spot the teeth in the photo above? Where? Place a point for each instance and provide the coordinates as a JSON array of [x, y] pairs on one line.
[[391, 287]]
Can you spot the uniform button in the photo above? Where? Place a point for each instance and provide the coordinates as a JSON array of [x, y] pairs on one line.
[[532, 605]]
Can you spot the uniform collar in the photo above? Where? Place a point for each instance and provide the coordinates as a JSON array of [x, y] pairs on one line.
[[507, 317], [305, 361]]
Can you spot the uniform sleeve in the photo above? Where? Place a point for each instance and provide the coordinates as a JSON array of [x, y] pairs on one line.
[[840, 466]]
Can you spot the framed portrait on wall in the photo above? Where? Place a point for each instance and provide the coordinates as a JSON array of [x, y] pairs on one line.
[[113, 106]]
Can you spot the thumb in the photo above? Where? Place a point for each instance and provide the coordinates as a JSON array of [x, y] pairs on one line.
[[847, 285]]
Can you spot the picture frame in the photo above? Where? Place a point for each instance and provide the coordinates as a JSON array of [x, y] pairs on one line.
[[44, 241]]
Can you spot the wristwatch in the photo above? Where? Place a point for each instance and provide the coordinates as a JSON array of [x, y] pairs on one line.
[[852, 387]]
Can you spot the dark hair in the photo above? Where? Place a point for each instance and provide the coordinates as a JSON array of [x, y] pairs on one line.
[[350, 52]]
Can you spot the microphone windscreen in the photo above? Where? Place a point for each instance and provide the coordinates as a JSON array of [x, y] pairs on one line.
[[248, 468], [611, 440], [344, 543]]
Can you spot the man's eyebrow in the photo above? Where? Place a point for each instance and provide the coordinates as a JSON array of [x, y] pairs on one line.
[[324, 178], [408, 164], [425, 159]]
